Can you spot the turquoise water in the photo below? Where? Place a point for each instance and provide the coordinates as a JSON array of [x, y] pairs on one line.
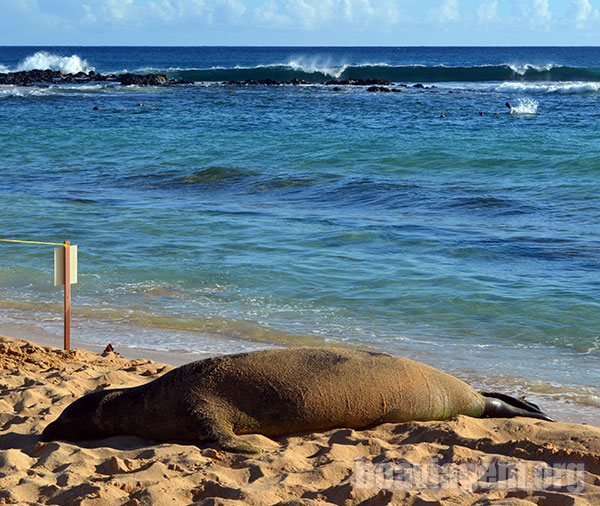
[[219, 218]]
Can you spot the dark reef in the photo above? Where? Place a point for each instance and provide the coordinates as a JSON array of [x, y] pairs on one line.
[[47, 77]]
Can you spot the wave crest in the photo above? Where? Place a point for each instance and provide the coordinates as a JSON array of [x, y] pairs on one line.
[[564, 87], [522, 69], [43, 60], [319, 71]]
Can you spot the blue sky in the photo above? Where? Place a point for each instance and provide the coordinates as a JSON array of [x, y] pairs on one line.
[[300, 22]]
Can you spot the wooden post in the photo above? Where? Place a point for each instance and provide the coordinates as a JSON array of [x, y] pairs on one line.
[[67, 305]]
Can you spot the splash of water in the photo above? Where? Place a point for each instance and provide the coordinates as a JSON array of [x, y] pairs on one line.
[[316, 65], [43, 60], [525, 106], [522, 69]]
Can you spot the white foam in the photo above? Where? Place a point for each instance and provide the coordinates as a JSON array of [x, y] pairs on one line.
[[86, 87], [551, 87], [299, 64], [525, 106], [11, 92], [42, 60], [316, 65], [3, 69], [17, 91], [26, 91], [522, 69]]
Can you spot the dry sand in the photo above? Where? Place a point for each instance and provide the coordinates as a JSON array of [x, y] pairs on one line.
[[37, 382]]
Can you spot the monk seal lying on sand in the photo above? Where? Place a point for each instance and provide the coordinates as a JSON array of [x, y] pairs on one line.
[[278, 392]]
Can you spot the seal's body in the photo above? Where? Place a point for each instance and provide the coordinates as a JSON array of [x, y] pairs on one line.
[[274, 393]]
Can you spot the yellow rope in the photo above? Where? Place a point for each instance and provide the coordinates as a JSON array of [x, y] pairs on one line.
[[32, 242]]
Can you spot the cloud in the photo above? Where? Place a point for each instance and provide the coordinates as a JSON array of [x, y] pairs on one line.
[[234, 9], [88, 14], [15, 12], [487, 11], [535, 13], [270, 13], [119, 10], [314, 14], [165, 9], [289, 14], [447, 12], [299, 21], [541, 11], [582, 12], [165, 12]]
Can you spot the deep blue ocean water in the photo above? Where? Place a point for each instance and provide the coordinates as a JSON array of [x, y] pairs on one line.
[[219, 218]]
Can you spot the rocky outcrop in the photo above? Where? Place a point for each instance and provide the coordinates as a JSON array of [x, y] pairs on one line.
[[334, 82], [266, 82], [358, 82], [382, 89], [48, 77], [37, 77]]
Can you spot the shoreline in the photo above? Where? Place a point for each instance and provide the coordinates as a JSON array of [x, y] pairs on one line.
[[556, 399], [339, 466], [43, 338]]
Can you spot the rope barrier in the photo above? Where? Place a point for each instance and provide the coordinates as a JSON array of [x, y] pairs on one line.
[[66, 257], [32, 242]]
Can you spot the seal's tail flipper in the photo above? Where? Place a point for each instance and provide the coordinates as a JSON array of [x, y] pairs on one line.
[[504, 406]]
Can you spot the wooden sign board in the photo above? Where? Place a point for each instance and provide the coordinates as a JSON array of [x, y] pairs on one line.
[[59, 265]]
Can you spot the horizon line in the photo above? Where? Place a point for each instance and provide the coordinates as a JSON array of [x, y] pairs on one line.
[[301, 46]]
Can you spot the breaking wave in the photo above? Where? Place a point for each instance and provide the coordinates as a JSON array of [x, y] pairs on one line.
[[556, 87], [318, 72], [516, 77], [16, 91], [43, 60]]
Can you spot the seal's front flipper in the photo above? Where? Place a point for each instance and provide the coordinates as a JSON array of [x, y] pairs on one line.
[[233, 443], [504, 406], [222, 434]]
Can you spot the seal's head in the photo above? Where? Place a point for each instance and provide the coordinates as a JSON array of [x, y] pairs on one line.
[[81, 419]]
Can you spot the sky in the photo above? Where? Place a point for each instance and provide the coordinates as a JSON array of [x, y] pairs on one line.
[[300, 22]]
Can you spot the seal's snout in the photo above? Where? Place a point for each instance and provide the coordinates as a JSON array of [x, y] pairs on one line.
[[50, 433]]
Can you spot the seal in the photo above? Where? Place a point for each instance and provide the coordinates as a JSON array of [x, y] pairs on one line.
[[276, 393]]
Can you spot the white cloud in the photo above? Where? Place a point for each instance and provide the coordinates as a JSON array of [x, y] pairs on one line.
[[447, 12], [535, 13], [270, 14], [305, 13], [234, 10], [582, 12], [119, 10], [313, 14], [487, 11], [88, 14], [165, 11], [31, 12], [541, 13]]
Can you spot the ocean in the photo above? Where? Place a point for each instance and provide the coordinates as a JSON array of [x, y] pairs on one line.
[[209, 217]]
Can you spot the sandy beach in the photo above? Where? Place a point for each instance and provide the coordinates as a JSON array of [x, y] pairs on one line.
[[484, 461]]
